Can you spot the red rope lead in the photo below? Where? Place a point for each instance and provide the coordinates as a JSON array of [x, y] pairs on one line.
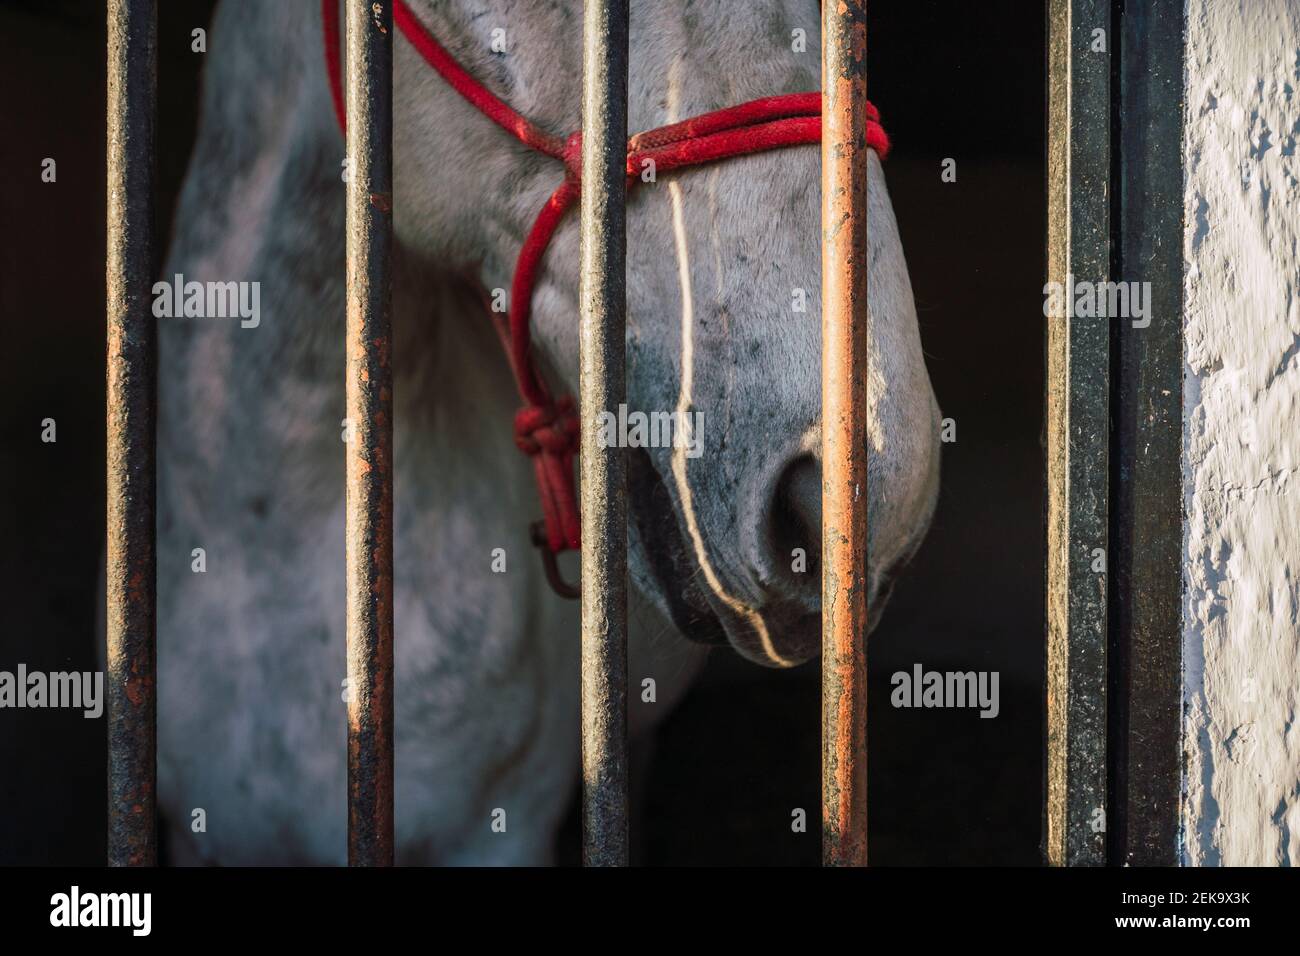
[[546, 428]]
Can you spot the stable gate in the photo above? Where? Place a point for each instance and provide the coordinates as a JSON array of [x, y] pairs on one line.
[[1102, 107]]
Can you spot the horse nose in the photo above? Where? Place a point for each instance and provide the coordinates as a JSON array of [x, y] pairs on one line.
[[795, 530]]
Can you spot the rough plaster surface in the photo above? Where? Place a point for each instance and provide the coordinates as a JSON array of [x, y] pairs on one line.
[[1241, 407]]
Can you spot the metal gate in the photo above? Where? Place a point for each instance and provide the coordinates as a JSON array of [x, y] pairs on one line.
[[1112, 113]]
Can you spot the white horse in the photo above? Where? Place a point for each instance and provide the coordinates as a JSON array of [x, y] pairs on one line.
[[251, 650]]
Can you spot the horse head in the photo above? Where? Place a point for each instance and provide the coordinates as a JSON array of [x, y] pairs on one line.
[[723, 299]]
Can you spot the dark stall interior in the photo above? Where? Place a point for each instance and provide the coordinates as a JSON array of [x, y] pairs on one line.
[[960, 81], [953, 80]]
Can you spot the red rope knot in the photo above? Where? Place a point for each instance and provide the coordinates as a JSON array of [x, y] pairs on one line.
[[550, 435], [551, 428]]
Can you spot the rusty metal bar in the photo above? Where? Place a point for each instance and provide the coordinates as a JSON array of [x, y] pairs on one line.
[[369, 511], [131, 411], [1077, 426], [602, 387], [844, 433]]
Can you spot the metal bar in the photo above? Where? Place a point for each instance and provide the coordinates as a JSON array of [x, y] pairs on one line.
[[602, 387], [1146, 528], [1078, 376], [369, 512], [131, 410], [844, 433]]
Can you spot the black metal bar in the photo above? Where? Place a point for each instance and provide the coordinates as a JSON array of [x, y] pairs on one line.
[[369, 511], [602, 387], [131, 413], [1078, 375], [1147, 394], [844, 433]]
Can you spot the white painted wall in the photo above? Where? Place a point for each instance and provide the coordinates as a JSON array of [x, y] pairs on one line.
[[1241, 441]]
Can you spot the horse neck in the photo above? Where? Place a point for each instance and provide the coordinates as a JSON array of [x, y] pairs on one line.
[[264, 202]]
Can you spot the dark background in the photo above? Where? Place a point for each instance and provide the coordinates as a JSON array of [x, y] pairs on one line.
[[952, 79]]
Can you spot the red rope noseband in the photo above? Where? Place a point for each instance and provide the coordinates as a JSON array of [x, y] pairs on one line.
[[546, 428]]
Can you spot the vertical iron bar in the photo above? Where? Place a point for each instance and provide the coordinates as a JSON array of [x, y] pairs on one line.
[[369, 512], [844, 433], [131, 407], [1077, 425], [1147, 392], [602, 387]]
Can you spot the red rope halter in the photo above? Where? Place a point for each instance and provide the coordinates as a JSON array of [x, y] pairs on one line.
[[546, 428]]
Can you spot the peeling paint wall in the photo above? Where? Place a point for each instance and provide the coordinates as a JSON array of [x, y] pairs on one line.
[[1241, 405]]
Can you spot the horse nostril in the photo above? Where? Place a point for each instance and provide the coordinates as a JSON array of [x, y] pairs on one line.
[[796, 518]]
